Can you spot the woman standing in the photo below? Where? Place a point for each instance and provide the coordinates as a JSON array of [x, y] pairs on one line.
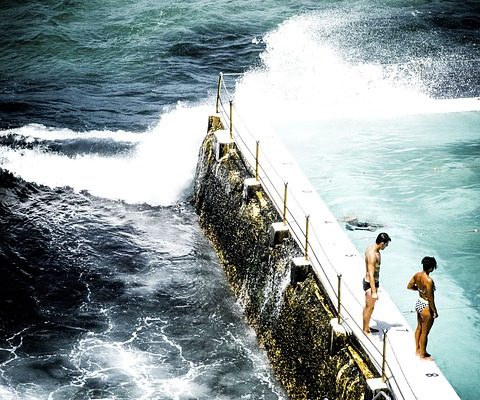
[[425, 305]]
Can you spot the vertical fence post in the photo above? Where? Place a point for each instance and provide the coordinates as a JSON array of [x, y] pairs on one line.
[[256, 161], [339, 304], [220, 78], [231, 118], [384, 356], [285, 204], [307, 218]]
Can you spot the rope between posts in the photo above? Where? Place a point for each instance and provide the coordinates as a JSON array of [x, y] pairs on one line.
[[238, 116], [292, 220], [264, 156], [267, 178], [279, 196]]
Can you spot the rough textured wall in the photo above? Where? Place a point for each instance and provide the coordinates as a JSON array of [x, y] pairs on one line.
[[292, 322]]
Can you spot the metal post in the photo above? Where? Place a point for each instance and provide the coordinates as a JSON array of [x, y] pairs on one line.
[[384, 356], [231, 127], [220, 78], [332, 340], [285, 204], [256, 161], [307, 218], [339, 305]]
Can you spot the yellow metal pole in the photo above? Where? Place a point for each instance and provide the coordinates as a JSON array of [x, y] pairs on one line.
[[307, 218], [256, 161], [231, 127], [339, 298], [384, 356], [220, 78], [285, 203]]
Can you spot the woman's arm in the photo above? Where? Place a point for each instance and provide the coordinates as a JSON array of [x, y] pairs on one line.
[[430, 286], [411, 284]]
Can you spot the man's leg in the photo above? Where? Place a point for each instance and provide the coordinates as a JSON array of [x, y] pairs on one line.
[[368, 310]]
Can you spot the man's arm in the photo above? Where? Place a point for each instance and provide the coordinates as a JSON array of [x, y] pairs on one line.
[[371, 263]]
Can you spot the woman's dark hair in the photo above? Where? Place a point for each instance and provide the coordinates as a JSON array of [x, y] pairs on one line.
[[429, 263], [383, 238]]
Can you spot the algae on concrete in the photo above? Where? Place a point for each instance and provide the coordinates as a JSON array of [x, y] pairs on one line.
[[291, 320]]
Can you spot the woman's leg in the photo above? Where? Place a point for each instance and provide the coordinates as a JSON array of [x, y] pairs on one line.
[[429, 324], [426, 322], [418, 332]]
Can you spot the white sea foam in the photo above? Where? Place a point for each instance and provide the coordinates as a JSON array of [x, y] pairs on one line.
[[7, 394], [41, 132], [158, 172], [305, 78]]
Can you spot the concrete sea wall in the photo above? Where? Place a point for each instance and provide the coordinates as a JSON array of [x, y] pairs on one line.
[[291, 317]]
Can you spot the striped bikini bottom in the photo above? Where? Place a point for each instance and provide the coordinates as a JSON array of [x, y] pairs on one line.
[[421, 305]]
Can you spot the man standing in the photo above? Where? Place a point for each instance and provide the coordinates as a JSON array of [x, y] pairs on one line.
[[371, 282]]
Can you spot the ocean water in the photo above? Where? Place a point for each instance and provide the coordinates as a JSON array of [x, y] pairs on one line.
[[109, 289]]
